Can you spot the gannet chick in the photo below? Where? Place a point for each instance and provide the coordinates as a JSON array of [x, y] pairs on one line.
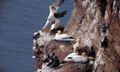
[[63, 37], [77, 43], [53, 9], [74, 57]]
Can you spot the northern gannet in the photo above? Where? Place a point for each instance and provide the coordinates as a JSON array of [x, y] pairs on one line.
[[74, 57], [53, 10], [63, 37], [77, 43]]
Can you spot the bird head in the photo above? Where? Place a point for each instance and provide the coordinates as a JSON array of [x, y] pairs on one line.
[[59, 32], [84, 54], [78, 40], [75, 49], [51, 7]]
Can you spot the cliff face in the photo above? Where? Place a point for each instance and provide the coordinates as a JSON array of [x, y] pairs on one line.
[[97, 24], [87, 18]]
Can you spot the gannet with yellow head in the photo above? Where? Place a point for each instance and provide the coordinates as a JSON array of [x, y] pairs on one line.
[[53, 10], [63, 37], [51, 18], [77, 43]]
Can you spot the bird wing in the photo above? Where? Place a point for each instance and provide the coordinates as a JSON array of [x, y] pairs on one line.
[[57, 4], [60, 14], [78, 58], [64, 36], [51, 20], [70, 55]]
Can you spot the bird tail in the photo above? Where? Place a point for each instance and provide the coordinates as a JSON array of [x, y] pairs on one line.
[[60, 14]]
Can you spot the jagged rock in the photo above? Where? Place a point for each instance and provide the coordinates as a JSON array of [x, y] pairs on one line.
[[84, 24]]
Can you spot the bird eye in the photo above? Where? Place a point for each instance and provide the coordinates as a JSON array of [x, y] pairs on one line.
[[69, 57]]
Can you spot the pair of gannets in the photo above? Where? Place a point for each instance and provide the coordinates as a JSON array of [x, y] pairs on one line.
[[53, 17], [63, 37], [74, 57]]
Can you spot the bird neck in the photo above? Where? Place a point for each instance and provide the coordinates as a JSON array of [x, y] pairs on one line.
[[75, 50], [78, 42], [52, 11]]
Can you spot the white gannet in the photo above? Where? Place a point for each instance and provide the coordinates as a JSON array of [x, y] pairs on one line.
[[63, 37], [77, 43], [74, 57], [53, 9]]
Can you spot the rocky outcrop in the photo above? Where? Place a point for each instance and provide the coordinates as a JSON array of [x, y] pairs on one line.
[[97, 24]]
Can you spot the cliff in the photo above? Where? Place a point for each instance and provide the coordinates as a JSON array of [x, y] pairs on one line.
[[97, 24]]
